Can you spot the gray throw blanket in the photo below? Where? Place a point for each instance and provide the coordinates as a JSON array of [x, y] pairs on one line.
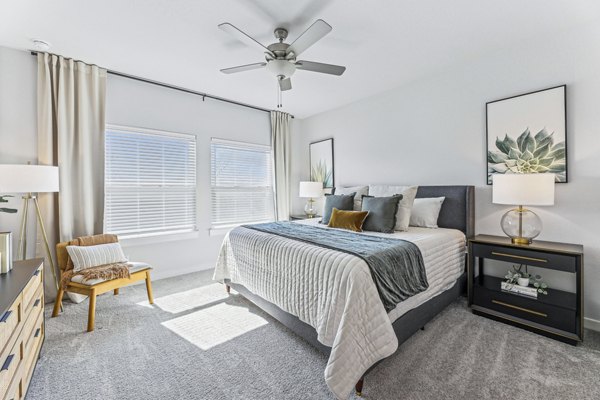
[[396, 265]]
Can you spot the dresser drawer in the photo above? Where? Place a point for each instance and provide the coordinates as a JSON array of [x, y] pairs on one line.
[[33, 342], [10, 323], [32, 314], [528, 309], [15, 391], [9, 365], [561, 262], [32, 286]]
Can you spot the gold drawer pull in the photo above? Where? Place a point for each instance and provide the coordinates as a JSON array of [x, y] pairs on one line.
[[520, 308], [519, 257]]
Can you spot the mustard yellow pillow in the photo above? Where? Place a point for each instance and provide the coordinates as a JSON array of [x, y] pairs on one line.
[[351, 220]]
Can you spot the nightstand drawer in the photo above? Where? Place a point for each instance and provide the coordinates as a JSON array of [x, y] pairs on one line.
[[529, 309], [555, 261]]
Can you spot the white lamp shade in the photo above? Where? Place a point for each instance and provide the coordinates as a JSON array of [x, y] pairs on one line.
[[523, 189], [311, 189], [28, 178]]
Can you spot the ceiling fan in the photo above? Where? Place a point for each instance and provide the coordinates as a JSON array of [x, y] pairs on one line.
[[281, 58]]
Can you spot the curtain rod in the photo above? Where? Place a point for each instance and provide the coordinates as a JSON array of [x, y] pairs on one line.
[[179, 88]]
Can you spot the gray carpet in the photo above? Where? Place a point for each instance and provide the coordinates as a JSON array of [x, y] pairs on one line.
[[196, 343]]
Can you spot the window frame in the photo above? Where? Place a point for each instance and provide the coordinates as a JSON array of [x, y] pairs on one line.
[[219, 229], [157, 132]]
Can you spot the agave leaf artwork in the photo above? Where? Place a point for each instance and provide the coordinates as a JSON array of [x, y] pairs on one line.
[[528, 154], [4, 209], [320, 173]]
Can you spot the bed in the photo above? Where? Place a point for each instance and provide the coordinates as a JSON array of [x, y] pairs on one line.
[[329, 298]]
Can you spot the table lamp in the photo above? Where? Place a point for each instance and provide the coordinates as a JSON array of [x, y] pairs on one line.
[[310, 190], [521, 224]]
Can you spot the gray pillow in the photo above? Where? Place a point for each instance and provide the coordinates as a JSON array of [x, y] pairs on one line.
[[341, 202], [382, 213]]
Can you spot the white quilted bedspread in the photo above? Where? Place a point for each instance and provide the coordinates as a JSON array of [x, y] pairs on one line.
[[332, 291]]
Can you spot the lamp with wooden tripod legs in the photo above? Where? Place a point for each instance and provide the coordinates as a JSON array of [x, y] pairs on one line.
[[30, 179]]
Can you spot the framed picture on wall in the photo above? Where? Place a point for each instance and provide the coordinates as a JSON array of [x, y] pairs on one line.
[[528, 134], [321, 162]]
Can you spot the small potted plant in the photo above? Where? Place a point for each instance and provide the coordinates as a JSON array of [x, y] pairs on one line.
[[524, 278]]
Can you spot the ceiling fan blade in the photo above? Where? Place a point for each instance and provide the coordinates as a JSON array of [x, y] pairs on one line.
[[242, 68], [320, 67], [312, 35], [243, 36], [285, 84]]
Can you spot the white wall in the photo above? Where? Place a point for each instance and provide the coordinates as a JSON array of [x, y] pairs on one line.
[[432, 131], [18, 128], [137, 104]]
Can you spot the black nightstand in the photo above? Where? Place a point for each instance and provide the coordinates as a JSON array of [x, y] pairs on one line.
[[558, 314], [303, 216]]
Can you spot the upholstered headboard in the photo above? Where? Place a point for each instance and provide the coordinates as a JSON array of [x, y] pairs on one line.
[[458, 210]]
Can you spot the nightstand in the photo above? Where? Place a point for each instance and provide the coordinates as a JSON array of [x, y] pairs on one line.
[[558, 315], [303, 216]]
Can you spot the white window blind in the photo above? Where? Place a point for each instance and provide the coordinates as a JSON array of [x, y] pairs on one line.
[[241, 183], [150, 182]]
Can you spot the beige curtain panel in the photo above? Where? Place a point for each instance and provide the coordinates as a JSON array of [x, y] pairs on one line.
[[281, 149], [71, 97]]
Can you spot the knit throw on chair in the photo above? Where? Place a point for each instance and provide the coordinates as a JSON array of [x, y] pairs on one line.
[[106, 272]]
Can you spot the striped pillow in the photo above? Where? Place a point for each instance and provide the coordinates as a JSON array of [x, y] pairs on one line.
[[92, 256]]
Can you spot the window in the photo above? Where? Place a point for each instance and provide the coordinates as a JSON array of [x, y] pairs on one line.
[[150, 182], [241, 183]]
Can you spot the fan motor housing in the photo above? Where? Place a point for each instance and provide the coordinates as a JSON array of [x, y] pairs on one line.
[[279, 49]]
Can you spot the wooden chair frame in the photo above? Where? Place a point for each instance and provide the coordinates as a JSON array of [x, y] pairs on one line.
[[94, 290], [99, 288]]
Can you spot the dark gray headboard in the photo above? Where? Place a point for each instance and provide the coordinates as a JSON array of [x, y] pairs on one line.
[[458, 210]]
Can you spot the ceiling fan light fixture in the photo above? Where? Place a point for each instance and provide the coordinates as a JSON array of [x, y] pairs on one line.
[[281, 67]]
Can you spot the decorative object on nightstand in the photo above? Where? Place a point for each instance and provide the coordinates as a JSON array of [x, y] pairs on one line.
[[310, 190], [557, 314], [30, 179], [521, 224]]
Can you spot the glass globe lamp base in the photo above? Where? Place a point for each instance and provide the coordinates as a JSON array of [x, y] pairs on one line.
[[521, 225], [309, 209]]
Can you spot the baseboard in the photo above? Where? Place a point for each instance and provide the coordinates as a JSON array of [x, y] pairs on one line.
[[592, 324]]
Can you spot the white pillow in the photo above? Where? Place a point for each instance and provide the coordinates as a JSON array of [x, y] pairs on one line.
[[84, 257], [425, 212], [404, 207], [360, 191]]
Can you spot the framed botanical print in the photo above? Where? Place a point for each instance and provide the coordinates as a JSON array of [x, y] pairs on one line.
[[528, 134], [321, 162]]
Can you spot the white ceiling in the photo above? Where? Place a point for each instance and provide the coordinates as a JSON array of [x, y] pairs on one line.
[[383, 44]]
